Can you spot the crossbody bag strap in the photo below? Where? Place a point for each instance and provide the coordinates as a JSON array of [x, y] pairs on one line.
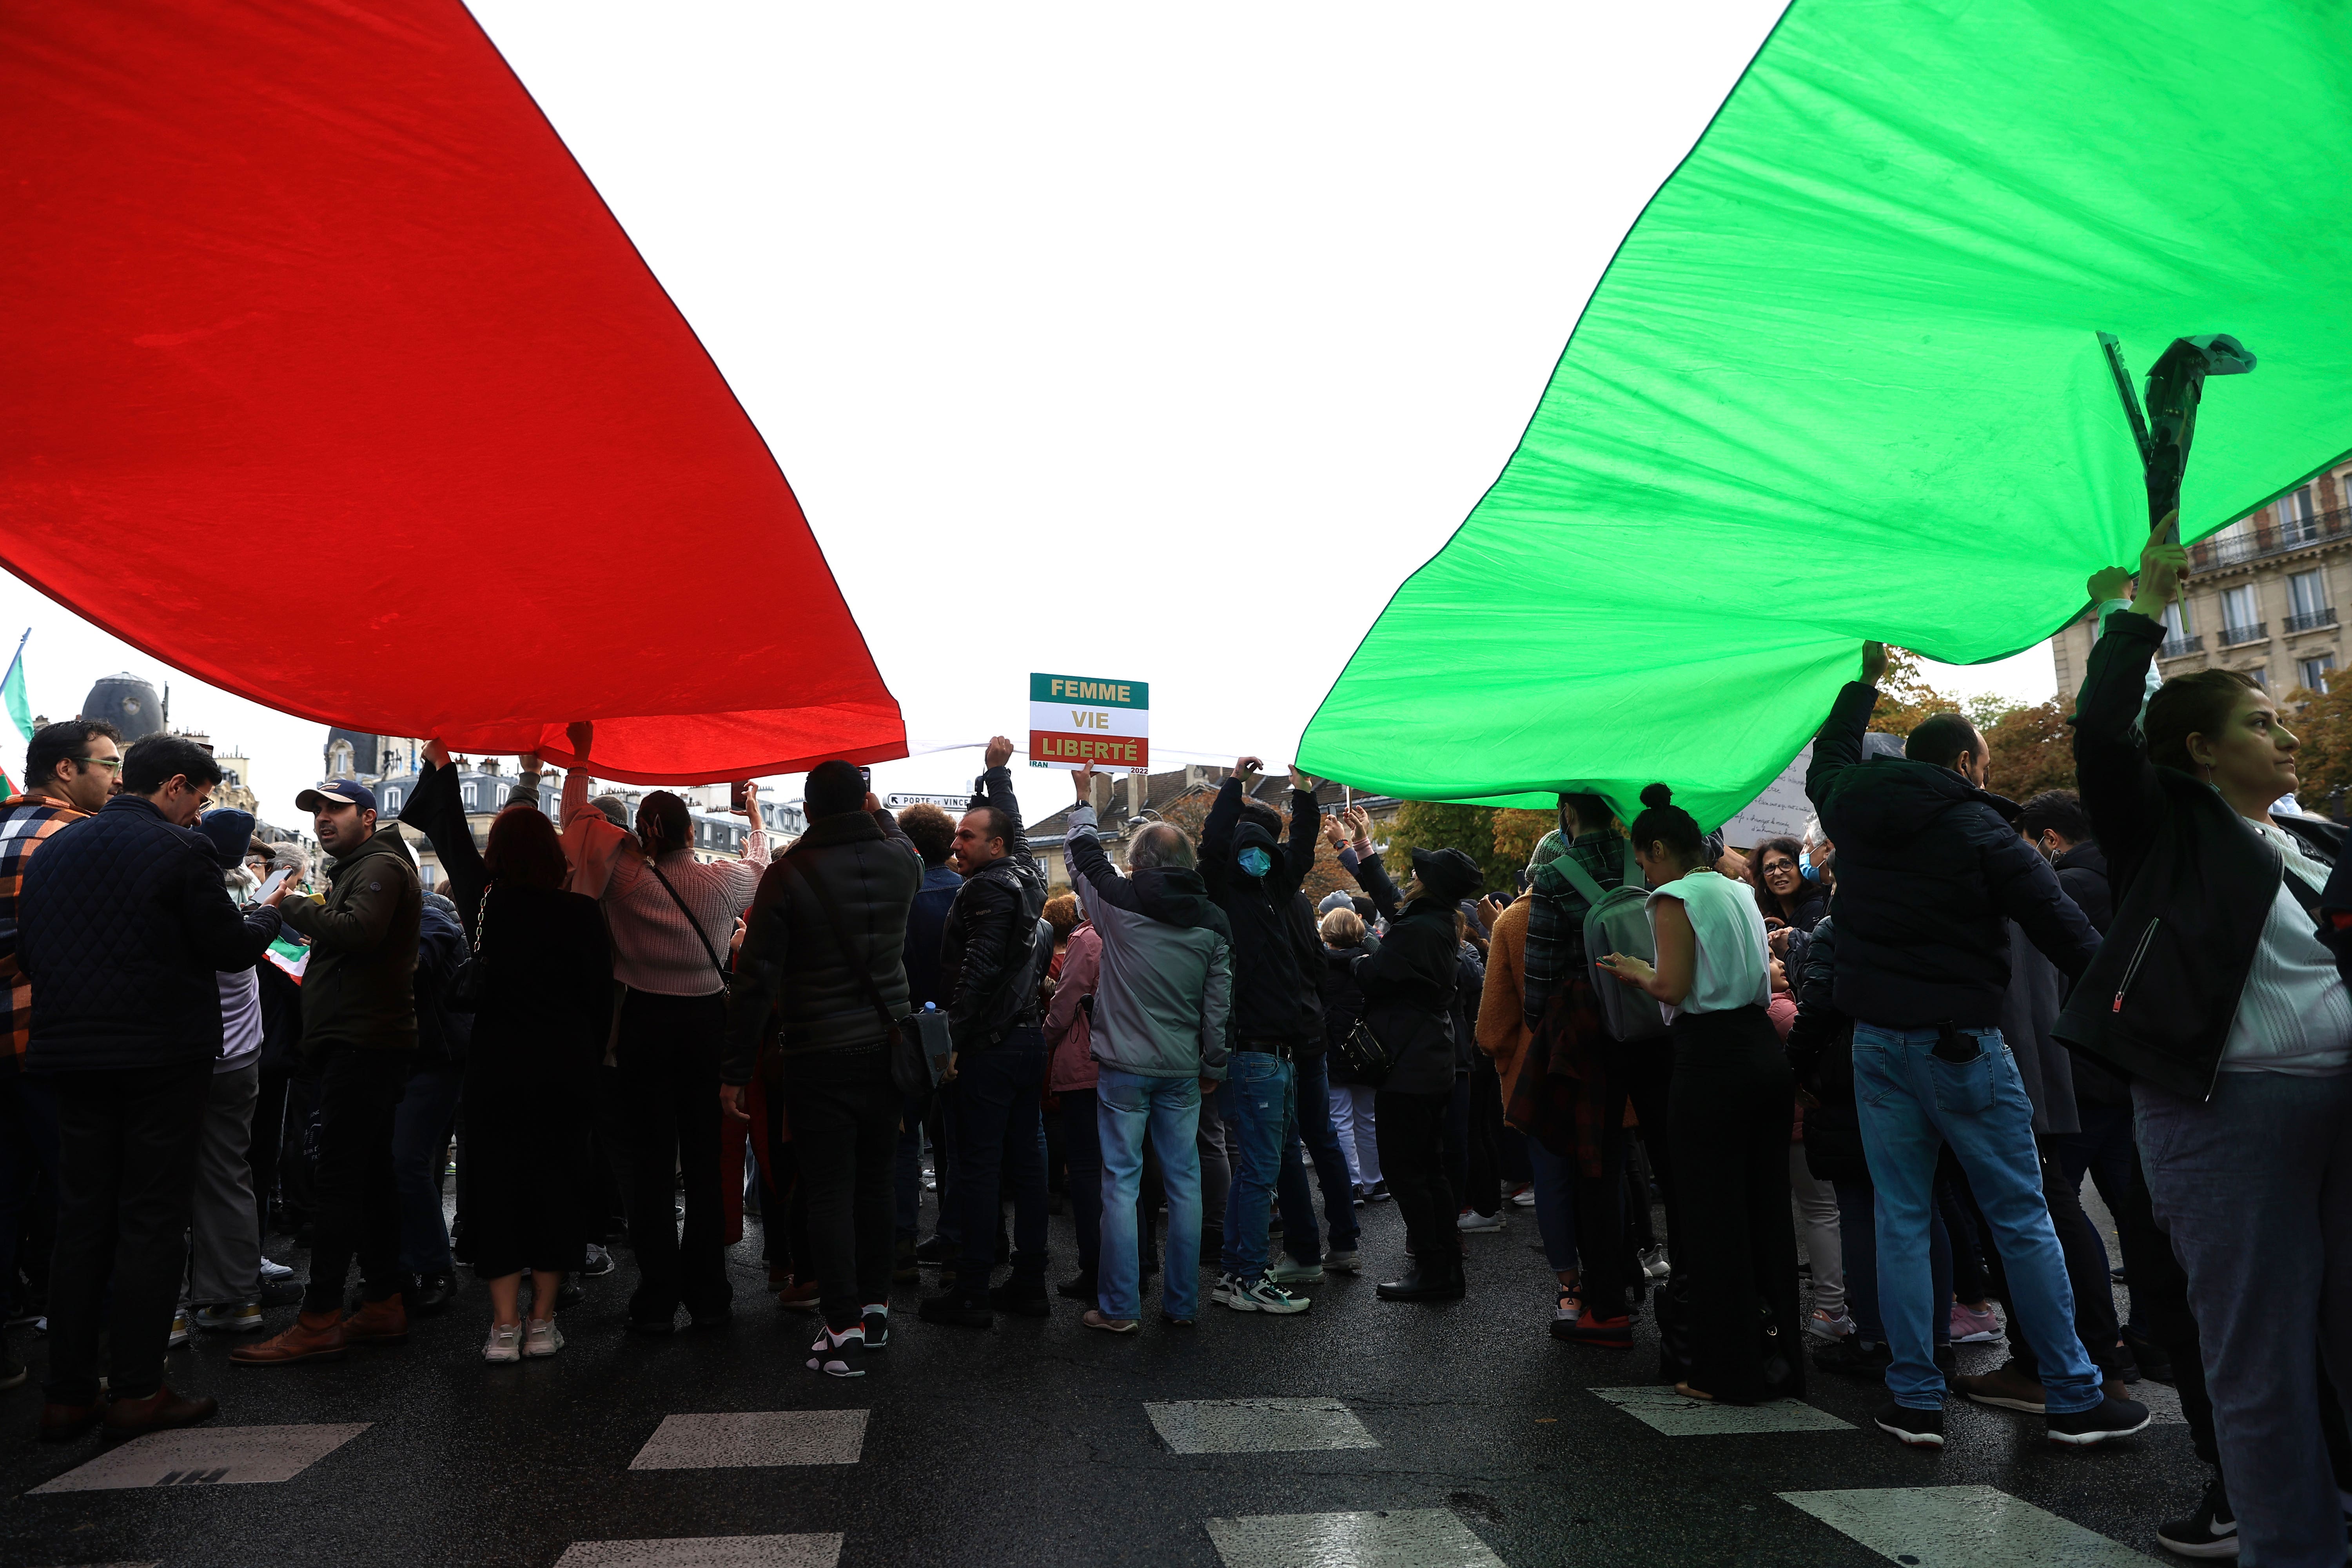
[[700, 936], [863, 971]]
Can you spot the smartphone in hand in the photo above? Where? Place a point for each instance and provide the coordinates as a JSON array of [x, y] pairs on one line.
[[737, 800]]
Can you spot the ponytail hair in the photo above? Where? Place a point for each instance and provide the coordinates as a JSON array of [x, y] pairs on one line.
[[1663, 822]]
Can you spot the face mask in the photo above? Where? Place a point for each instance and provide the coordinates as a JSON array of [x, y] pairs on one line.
[[1255, 861], [1805, 867]]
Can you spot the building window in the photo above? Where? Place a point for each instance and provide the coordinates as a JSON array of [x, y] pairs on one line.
[[2176, 622], [2312, 672], [339, 760], [392, 799], [466, 793], [2304, 594], [2298, 522], [2240, 617]]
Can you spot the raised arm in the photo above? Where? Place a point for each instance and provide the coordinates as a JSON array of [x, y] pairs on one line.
[[1306, 822], [433, 810], [994, 787], [2111, 767], [1838, 744]]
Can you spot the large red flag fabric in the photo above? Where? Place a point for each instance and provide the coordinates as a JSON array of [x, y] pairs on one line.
[[326, 376]]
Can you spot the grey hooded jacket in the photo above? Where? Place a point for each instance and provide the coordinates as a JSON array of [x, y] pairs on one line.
[[1165, 993]]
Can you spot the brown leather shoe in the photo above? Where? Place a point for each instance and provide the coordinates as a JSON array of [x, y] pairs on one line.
[[315, 1336], [2005, 1387], [378, 1322], [159, 1412], [64, 1423], [800, 1297]]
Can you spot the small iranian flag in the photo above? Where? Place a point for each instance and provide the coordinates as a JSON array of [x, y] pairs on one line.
[[20, 714], [293, 957]]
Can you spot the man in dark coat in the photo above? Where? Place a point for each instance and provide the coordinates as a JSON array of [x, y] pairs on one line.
[[124, 924], [823, 970], [1930, 870]]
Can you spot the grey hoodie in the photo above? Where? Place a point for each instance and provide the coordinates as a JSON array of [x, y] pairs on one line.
[[1166, 988]]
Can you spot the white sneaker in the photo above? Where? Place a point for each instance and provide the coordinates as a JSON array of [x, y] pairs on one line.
[[1823, 1326], [1290, 1272], [274, 1270], [541, 1337], [505, 1342], [179, 1330], [1525, 1197], [1655, 1264], [1223, 1291], [1263, 1295], [1348, 1262], [1471, 1219]]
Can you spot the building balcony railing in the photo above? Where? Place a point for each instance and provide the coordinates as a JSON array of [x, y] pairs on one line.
[[2312, 621], [2271, 539], [2178, 648], [2233, 637]]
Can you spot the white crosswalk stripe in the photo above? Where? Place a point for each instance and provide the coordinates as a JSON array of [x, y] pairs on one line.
[[1678, 1416], [1390, 1537], [747, 1438], [1257, 1425], [1962, 1527], [208, 1455], [707, 1552]]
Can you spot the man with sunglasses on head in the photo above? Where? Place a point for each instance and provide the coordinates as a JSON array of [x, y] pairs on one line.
[[124, 926]]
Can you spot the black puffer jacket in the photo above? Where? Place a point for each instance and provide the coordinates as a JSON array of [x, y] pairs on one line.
[[989, 951], [1821, 1050], [1927, 866], [123, 925], [1343, 1000], [1307, 945], [1409, 987], [1273, 993], [2194, 885], [792, 972]]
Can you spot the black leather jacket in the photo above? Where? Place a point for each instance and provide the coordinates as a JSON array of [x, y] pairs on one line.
[[988, 950], [2193, 883]]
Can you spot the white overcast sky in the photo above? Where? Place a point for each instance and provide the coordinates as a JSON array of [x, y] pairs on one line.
[[1156, 344]]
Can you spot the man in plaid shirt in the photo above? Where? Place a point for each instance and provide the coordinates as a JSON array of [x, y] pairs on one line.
[[71, 768]]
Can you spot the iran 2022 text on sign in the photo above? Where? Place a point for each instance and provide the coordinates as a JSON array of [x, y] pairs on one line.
[[1075, 720]]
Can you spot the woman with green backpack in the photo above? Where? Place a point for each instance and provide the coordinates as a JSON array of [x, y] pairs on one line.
[[1728, 1119]]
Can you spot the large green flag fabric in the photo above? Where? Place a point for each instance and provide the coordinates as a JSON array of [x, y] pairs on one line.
[[1842, 380]]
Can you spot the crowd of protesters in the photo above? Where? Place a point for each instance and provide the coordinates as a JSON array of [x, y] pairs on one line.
[[1862, 1072]]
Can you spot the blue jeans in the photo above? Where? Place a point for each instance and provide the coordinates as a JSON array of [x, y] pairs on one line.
[[1257, 1101], [420, 1142], [2254, 1187], [1125, 1105], [1000, 1152], [1555, 1190], [1911, 1101], [1858, 1242], [1314, 1132]]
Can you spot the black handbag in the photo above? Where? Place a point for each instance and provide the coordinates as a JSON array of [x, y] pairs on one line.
[[466, 988], [1368, 1058], [919, 1043]]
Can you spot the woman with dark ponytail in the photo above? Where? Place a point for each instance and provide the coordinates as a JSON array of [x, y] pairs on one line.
[[1727, 1117]]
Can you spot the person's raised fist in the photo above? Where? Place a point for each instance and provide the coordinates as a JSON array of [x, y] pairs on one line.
[[582, 735], [999, 752]]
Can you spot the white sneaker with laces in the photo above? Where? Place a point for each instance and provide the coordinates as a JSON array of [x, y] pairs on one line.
[[1823, 1326], [1263, 1295], [542, 1337], [505, 1342], [274, 1270], [1471, 1219], [1348, 1262], [1223, 1291], [1525, 1197], [1655, 1264], [1290, 1272]]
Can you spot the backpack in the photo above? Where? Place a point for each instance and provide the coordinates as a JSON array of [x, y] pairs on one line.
[[1618, 920]]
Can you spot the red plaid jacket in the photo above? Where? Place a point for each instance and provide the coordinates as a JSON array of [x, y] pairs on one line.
[[24, 822]]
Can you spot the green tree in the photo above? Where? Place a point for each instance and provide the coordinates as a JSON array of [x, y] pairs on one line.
[[1432, 824]]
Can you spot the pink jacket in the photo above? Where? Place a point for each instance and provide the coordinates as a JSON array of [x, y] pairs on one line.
[[1068, 1033]]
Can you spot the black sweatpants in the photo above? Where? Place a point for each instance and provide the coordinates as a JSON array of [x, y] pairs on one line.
[[845, 1113], [357, 1197], [666, 1108], [1411, 1132], [127, 1172]]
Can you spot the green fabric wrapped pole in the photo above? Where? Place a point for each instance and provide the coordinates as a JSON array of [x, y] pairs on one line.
[[1844, 380]]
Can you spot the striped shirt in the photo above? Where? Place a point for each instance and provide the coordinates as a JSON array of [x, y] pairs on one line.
[[654, 948], [24, 822], [2295, 1016]]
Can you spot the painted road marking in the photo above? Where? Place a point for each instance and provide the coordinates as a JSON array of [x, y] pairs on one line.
[[1258, 1426], [707, 1552], [207, 1456], [754, 1437], [1962, 1527], [1393, 1538], [1677, 1416]]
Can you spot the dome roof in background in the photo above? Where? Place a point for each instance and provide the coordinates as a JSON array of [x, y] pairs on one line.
[[132, 705]]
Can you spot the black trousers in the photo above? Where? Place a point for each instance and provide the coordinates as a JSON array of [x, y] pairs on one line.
[[1734, 1238], [357, 1200], [1411, 1129], [127, 1171], [269, 1138], [844, 1113], [666, 1107]]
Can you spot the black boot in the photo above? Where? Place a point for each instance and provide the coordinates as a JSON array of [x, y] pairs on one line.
[[1079, 1287], [1429, 1280]]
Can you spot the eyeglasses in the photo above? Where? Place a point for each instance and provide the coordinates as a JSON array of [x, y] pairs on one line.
[[111, 764]]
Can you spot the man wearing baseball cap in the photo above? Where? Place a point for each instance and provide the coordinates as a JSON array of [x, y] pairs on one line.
[[359, 1027]]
